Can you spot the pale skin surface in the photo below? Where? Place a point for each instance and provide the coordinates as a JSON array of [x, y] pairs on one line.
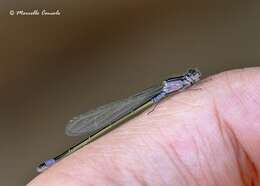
[[207, 135]]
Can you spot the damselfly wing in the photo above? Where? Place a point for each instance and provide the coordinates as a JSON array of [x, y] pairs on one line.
[[93, 121]]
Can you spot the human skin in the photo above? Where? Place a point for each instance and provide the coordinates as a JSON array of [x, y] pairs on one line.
[[206, 135]]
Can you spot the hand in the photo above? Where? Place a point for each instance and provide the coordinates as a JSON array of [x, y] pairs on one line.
[[209, 136]]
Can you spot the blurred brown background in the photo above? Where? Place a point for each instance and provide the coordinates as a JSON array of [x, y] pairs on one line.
[[54, 67]]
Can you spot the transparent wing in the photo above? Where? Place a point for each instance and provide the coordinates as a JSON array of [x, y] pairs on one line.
[[93, 121]]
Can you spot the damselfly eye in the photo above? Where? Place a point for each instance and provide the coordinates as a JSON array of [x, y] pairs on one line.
[[192, 71], [194, 74]]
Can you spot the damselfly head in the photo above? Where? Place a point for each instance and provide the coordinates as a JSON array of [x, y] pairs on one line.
[[193, 74]]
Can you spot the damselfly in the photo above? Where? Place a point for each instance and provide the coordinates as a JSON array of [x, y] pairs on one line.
[[96, 123]]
